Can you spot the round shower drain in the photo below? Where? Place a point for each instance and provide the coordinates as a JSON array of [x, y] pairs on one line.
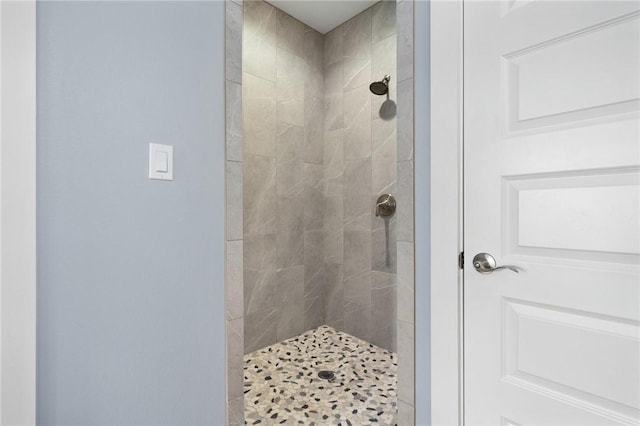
[[326, 375]]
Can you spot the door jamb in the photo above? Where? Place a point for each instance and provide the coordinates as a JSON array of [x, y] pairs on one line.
[[447, 373], [18, 212]]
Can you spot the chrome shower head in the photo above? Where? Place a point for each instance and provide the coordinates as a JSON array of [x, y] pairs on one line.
[[380, 87]]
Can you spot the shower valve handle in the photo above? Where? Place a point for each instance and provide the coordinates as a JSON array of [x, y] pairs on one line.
[[385, 205]]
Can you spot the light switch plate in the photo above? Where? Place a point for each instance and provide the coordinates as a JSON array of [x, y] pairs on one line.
[[160, 161]]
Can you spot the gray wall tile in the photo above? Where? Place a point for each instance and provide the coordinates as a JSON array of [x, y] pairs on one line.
[[383, 310], [290, 33], [405, 201], [334, 301], [405, 120], [357, 195], [383, 245], [383, 20], [235, 351], [234, 279], [291, 81], [357, 123], [290, 293], [405, 40], [333, 163], [259, 40], [357, 36], [260, 329], [235, 411], [259, 194], [233, 42], [259, 115], [260, 280], [314, 290], [233, 121], [406, 282], [313, 129], [234, 204], [290, 235], [290, 161], [406, 362], [334, 45], [313, 197], [333, 230]]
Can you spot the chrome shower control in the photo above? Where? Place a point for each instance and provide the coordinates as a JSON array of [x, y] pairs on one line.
[[385, 205]]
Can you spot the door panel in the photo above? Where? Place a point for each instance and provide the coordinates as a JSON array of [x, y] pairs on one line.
[[552, 186]]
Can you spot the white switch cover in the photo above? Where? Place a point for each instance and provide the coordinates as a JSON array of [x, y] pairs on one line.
[[160, 161]]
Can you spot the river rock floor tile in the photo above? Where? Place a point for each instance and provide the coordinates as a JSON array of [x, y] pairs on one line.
[[281, 383]]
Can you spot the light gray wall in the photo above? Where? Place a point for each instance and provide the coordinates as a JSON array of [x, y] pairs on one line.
[[130, 271]]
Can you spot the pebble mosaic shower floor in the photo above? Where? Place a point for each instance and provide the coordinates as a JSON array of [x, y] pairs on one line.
[[282, 386]]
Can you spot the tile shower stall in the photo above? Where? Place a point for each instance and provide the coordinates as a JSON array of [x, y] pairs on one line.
[[316, 282]]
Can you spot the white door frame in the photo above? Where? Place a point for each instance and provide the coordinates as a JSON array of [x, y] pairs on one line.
[[447, 374], [17, 212]]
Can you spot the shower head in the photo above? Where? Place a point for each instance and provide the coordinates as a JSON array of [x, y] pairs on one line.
[[380, 87]]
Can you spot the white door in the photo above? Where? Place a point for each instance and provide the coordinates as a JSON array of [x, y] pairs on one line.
[[551, 141]]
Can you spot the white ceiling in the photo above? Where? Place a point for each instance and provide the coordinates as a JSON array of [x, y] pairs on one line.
[[322, 15]]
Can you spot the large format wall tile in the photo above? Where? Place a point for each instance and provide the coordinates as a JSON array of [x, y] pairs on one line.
[[357, 123], [260, 329], [357, 51], [259, 115], [357, 252], [260, 280], [405, 120], [235, 351], [404, 14], [314, 290], [290, 293], [290, 235], [405, 299], [357, 36], [259, 40], [234, 279], [384, 161], [234, 200], [259, 195], [333, 163], [383, 310], [357, 305], [319, 148], [333, 97], [313, 197], [233, 120], [290, 33], [406, 362], [383, 20], [333, 230], [290, 162], [334, 300], [291, 81], [334, 45], [357, 195], [405, 209], [357, 72], [383, 244], [313, 129], [233, 42]]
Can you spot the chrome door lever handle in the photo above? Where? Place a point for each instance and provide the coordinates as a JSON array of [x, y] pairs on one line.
[[484, 263]]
